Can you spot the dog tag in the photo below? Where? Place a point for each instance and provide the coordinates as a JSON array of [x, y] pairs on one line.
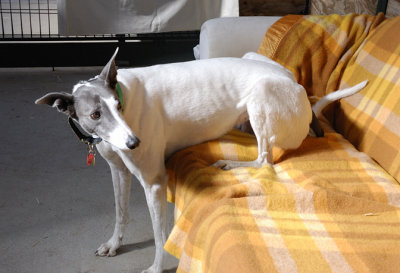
[[90, 160]]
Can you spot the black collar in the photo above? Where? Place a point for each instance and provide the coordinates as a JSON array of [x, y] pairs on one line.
[[82, 137]]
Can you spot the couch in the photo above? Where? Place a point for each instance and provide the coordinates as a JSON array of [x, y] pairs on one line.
[[333, 204]]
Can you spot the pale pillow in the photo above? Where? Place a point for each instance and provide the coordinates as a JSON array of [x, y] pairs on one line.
[[232, 36]]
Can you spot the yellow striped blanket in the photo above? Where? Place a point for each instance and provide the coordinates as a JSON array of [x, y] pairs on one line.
[[325, 207]]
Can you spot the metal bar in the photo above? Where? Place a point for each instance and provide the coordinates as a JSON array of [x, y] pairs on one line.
[[381, 6], [150, 37], [30, 16], [93, 54], [12, 22], [2, 21], [40, 21], [20, 17], [307, 7], [48, 15]]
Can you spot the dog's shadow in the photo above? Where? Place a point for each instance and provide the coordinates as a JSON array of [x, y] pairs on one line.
[[172, 270], [138, 246], [135, 246]]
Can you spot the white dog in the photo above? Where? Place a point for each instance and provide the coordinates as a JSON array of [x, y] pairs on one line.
[[173, 106]]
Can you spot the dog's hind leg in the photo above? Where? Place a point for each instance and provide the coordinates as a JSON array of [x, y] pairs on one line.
[[264, 157], [260, 124], [121, 178]]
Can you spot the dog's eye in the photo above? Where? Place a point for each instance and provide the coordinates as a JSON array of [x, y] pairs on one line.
[[119, 106], [95, 115]]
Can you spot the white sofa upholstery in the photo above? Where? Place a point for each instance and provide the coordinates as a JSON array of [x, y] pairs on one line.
[[232, 36]]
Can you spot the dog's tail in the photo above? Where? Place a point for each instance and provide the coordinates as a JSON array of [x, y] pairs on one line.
[[337, 95], [315, 127]]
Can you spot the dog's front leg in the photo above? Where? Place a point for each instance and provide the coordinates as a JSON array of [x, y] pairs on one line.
[[156, 196], [122, 188], [121, 178]]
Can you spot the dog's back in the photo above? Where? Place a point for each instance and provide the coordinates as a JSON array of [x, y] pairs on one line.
[[201, 100]]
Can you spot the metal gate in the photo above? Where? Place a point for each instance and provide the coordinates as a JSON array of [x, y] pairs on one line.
[[29, 38]]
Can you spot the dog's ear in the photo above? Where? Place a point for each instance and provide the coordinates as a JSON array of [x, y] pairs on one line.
[[64, 102], [109, 72]]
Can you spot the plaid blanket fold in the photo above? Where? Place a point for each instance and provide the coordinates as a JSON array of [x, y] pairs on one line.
[[325, 202], [317, 48], [371, 119]]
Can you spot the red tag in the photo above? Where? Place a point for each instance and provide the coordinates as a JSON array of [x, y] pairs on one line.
[[90, 159]]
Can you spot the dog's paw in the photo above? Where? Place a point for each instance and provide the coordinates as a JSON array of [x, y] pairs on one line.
[[232, 164], [220, 164], [227, 165], [108, 249]]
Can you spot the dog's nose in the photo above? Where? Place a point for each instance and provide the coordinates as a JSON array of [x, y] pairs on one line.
[[132, 142]]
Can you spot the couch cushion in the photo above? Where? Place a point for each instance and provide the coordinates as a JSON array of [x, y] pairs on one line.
[[325, 202], [371, 118], [217, 35]]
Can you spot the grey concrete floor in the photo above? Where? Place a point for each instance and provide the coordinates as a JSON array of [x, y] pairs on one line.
[[54, 210]]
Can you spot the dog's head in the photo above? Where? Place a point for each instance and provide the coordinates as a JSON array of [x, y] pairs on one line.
[[94, 104]]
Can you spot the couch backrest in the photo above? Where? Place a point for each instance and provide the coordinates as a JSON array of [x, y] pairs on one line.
[[370, 120], [317, 48], [326, 53]]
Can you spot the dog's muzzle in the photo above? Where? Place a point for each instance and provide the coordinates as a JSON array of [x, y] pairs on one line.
[[132, 142]]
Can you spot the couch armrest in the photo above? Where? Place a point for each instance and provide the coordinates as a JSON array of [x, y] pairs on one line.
[[232, 36]]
